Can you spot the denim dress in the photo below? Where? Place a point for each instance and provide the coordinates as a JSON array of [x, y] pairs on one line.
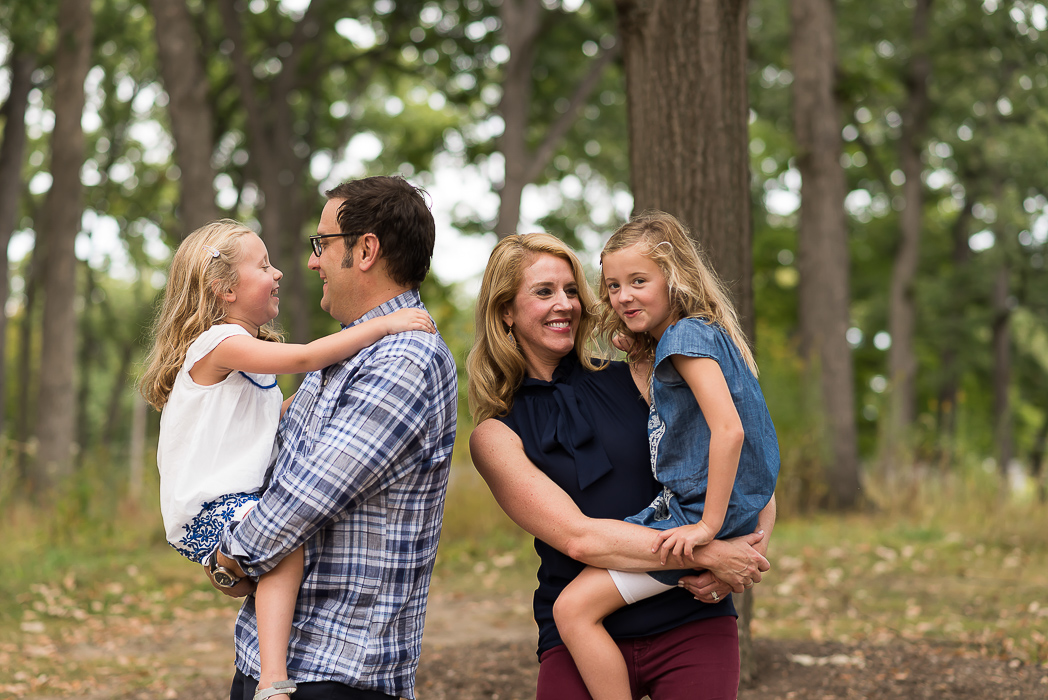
[[679, 437]]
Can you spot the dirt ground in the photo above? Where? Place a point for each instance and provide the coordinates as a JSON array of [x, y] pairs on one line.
[[483, 648], [486, 651]]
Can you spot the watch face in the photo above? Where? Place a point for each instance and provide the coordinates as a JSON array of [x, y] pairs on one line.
[[222, 578]]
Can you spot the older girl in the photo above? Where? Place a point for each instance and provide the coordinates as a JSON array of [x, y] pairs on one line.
[[712, 442]]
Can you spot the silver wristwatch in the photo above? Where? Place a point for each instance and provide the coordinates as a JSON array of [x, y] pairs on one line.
[[222, 576]]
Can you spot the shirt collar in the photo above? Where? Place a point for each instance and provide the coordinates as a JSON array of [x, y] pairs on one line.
[[405, 300]]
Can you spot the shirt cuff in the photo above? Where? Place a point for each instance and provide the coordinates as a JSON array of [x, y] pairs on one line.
[[230, 546]]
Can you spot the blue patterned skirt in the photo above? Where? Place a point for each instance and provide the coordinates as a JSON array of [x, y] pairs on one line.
[[203, 532]]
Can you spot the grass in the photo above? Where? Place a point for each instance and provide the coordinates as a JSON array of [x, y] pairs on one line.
[[943, 561]]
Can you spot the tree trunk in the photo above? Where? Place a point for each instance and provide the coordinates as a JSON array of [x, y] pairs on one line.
[[689, 155], [137, 452], [279, 171], [947, 403], [25, 373], [63, 211], [902, 357], [823, 259], [87, 358], [1002, 372], [12, 156], [688, 126], [1037, 460], [521, 28], [188, 108], [521, 21]]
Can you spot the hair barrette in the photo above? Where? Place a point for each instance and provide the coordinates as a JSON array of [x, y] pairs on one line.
[[213, 251]]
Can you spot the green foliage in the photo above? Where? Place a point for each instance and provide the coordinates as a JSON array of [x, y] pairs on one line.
[[422, 81], [983, 154]]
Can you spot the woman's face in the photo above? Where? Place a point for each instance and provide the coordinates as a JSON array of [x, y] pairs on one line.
[[545, 313]]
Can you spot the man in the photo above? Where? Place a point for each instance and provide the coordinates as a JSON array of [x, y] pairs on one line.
[[362, 467]]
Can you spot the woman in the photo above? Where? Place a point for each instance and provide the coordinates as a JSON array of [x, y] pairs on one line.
[[561, 442]]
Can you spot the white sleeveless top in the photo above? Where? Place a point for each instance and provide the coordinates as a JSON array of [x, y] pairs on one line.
[[214, 440]]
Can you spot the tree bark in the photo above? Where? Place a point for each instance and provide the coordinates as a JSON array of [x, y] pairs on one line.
[[688, 125], [188, 108], [689, 151], [63, 211], [521, 21], [12, 156], [823, 259], [902, 357]]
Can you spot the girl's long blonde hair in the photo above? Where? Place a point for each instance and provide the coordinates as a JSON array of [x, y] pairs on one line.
[[495, 365], [204, 266], [695, 290]]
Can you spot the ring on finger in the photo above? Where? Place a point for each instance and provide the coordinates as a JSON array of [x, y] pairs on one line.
[[715, 596]]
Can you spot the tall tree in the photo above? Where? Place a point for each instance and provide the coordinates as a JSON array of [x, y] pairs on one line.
[[192, 120], [55, 426], [823, 260], [902, 356], [688, 111], [522, 23], [12, 156]]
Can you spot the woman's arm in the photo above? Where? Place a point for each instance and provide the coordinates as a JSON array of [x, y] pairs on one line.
[[539, 506], [241, 352]]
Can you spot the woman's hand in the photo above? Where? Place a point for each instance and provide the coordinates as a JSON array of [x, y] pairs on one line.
[[735, 562]]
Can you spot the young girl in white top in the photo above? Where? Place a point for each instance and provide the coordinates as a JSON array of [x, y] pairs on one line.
[[211, 372]]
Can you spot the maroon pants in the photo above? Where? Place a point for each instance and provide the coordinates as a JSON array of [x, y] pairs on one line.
[[696, 661]]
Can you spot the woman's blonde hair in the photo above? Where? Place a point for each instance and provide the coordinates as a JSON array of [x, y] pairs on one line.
[[695, 290], [495, 365], [203, 268]]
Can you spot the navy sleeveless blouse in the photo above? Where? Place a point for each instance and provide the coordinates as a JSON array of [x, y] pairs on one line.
[[587, 432]]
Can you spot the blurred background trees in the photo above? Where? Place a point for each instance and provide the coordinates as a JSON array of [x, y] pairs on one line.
[[871, 180]]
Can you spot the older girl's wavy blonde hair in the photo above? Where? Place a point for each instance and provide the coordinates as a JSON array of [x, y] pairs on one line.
[[203, 268], [495, 364], [695, 290]]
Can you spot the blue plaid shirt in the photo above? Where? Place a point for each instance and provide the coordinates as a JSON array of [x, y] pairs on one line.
[[360, 479]]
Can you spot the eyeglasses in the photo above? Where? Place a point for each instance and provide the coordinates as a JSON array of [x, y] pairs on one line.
[[318, 247]]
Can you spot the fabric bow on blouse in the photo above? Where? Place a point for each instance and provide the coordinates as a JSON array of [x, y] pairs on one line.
[[567, 428]]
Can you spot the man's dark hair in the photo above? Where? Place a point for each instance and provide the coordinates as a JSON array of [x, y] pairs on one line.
[[396, 212]]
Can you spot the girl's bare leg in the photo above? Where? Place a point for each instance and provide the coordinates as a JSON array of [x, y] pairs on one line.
[[274, 609], [579, 612]]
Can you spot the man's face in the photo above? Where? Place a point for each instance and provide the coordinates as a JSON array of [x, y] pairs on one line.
[[338, 280]]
